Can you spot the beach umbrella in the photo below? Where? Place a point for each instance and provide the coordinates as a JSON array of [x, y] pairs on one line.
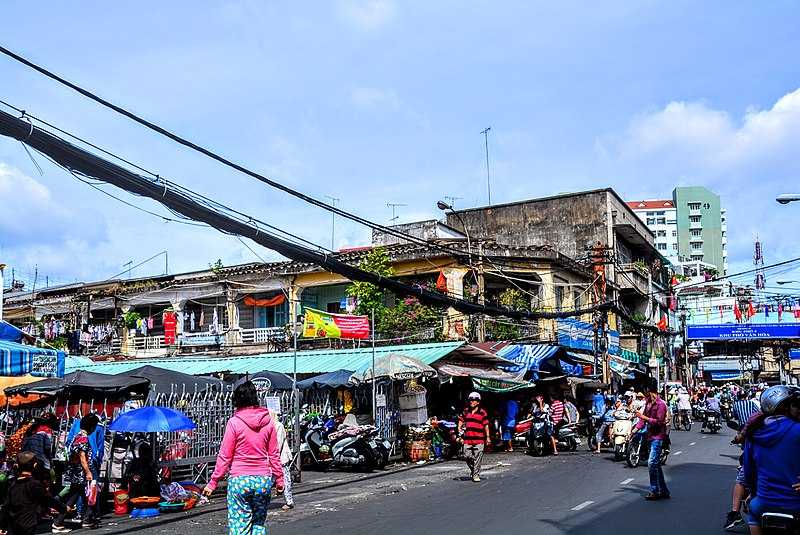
[[152, 420]]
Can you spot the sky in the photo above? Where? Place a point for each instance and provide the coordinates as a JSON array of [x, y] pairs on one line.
[[383, 101]]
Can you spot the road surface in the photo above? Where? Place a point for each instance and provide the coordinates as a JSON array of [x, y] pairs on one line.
[[578, 493]]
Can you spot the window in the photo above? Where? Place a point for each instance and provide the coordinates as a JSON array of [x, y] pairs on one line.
[[696, 232], [697, 246], [559, 297], [694, 206], [662, 246], [694, 218], [660, 213], [661, 220], [674, 233], [651, 214], [672, 221], [661, 233], [651, 221], [697, 257], [576, 299], [674, 246]]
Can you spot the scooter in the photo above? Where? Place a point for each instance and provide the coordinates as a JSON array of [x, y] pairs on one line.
[[353, 447], [639, 449], [711, 421], [521, 432], [567, 437], [621, 432], [784, 523], [538, 437]]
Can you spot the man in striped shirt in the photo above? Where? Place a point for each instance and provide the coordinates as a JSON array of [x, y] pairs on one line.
[[473, 427]]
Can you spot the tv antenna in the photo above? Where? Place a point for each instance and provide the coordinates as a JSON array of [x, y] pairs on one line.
[[394, 206]]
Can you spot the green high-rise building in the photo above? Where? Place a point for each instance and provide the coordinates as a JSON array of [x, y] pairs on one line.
[[702, 227]]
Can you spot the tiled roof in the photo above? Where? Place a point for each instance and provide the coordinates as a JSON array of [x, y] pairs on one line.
[[651, 205]]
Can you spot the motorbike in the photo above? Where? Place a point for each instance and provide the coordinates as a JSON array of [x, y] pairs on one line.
[[726, 409], [711, 421], [521, 432], [350, 446], [639, 449], [775, 522], [445, 437], [597, 422], [620, 432], [682, 419], [538, 436], [567, 437]]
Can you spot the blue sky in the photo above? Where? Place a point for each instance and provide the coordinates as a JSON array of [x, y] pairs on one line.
[[383, 101]]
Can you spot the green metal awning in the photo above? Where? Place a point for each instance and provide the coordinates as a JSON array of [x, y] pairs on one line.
[[317, 361]]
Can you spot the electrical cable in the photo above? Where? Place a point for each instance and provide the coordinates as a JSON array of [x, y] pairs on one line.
[[92, 166]]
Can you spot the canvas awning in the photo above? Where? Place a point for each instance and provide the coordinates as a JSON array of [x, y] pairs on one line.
[[86, 385], [20, 359], [162, 380], [336, 379], [528, 356]]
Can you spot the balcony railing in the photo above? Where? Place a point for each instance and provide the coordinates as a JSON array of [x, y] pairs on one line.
[[263, 335], [695, 224]]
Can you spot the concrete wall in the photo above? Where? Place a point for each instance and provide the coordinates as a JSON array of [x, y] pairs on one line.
[[567, 223]]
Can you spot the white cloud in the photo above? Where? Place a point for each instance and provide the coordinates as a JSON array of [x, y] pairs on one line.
[[28, 209], [370, 97], [747, 160], [367, 14]]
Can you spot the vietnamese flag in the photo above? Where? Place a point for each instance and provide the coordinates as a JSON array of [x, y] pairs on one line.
[[441, 282], [750, 310], [737, 312], [662, 325]]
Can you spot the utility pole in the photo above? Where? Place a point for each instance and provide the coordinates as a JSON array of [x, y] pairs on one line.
[[485, 133], [334, 201], [481, 295], [394, 206], [2, 288]]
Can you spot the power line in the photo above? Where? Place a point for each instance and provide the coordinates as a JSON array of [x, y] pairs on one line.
[[177, 199]]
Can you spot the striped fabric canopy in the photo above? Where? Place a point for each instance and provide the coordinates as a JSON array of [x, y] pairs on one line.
[[528, 356], [19, 359]]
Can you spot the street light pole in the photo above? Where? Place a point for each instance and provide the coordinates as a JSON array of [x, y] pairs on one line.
[[786, 198]]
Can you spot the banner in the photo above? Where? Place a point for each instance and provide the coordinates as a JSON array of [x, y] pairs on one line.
[[576, 334], [498, 385], [170, 327], [743, 331], [318, 324]]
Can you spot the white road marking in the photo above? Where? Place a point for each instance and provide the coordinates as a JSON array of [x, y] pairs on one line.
[[582, 505], [692, 443], [677, 453], [626, 481]]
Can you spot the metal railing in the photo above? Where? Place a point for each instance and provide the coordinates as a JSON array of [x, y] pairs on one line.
[[263, 335]]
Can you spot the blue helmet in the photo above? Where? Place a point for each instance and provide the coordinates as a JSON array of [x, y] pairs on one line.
[[775, 396]]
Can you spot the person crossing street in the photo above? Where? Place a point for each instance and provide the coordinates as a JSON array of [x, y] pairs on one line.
[[473, 426], [655, 416]]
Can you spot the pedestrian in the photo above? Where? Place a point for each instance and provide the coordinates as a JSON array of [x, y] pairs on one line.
[[249, 454], [26, 500], [655, 416], [79, 475], [40, 443], [286, 461], [510, 422], [473, 426], [571, 411]]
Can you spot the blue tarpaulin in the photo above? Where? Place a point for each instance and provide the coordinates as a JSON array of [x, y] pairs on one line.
[[534, 357], [10, 333], [18, 359], [336, 379]]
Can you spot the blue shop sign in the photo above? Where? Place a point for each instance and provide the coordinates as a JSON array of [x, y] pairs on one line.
[[743, 331], [576, 334], [794, 354]]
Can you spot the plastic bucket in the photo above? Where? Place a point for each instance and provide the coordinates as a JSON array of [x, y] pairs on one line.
[[121, 502]]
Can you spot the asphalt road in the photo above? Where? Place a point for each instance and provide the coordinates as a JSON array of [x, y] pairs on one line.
[[574, 493], [571, 494]]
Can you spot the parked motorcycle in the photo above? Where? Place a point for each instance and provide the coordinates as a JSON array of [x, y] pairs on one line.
[[567, 437], [621, 432], [521, 432], [351, 447], [639, 449], [711, 421]]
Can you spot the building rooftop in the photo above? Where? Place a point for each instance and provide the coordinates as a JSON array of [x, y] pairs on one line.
[[651, 205]]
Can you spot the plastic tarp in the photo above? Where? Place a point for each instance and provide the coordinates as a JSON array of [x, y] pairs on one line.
[[162, 380], [19, 359], [540, 358], [336, 379], [9, 333], [86, 385], [486, 380]]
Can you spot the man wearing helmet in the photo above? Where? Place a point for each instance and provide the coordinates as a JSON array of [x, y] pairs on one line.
[[771, 463]]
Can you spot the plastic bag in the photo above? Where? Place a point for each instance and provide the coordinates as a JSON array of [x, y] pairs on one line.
[[91, 493]]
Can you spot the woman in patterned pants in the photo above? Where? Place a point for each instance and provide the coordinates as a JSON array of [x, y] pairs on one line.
[[249, 454]]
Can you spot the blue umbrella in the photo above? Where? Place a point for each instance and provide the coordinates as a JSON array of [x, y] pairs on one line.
[[152, 420]]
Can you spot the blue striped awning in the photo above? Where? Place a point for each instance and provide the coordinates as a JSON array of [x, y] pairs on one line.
[[527, 356], [19, 359]]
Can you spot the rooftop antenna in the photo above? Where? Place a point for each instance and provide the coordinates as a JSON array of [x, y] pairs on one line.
[[129, 265], [485, 133], [452, 200], [394, 206]]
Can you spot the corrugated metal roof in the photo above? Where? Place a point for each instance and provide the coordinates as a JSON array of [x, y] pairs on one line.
[[318, 361]]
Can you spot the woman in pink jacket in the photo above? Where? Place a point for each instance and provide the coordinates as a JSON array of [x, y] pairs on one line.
[[250, 454]]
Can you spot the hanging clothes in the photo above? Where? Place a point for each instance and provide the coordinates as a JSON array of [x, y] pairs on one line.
[[780, 311], [202, 317], [191, 322]]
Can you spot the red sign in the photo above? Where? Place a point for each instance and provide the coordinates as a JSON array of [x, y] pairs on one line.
[[170, 326]]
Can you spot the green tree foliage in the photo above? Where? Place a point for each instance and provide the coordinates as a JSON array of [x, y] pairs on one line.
[[368, 296], [503, 329]]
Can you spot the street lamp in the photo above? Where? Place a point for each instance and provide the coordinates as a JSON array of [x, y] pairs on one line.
[[786, 198], [785, 282], [444, 207]]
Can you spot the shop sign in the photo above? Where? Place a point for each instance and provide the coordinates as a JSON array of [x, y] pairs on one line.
[[201, 340], [497, 385], [318, 324], [794, 354], [44, 365], [743, 331]]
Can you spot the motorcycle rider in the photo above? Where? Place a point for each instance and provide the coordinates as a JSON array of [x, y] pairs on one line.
[[770, 462], [542, 409], [684, 404], [711, 405], [608, 419]]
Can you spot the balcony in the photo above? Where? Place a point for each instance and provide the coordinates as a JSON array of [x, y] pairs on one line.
[[263, 335], [694, 211], [695, 224], [695, 239], [633, 277]]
